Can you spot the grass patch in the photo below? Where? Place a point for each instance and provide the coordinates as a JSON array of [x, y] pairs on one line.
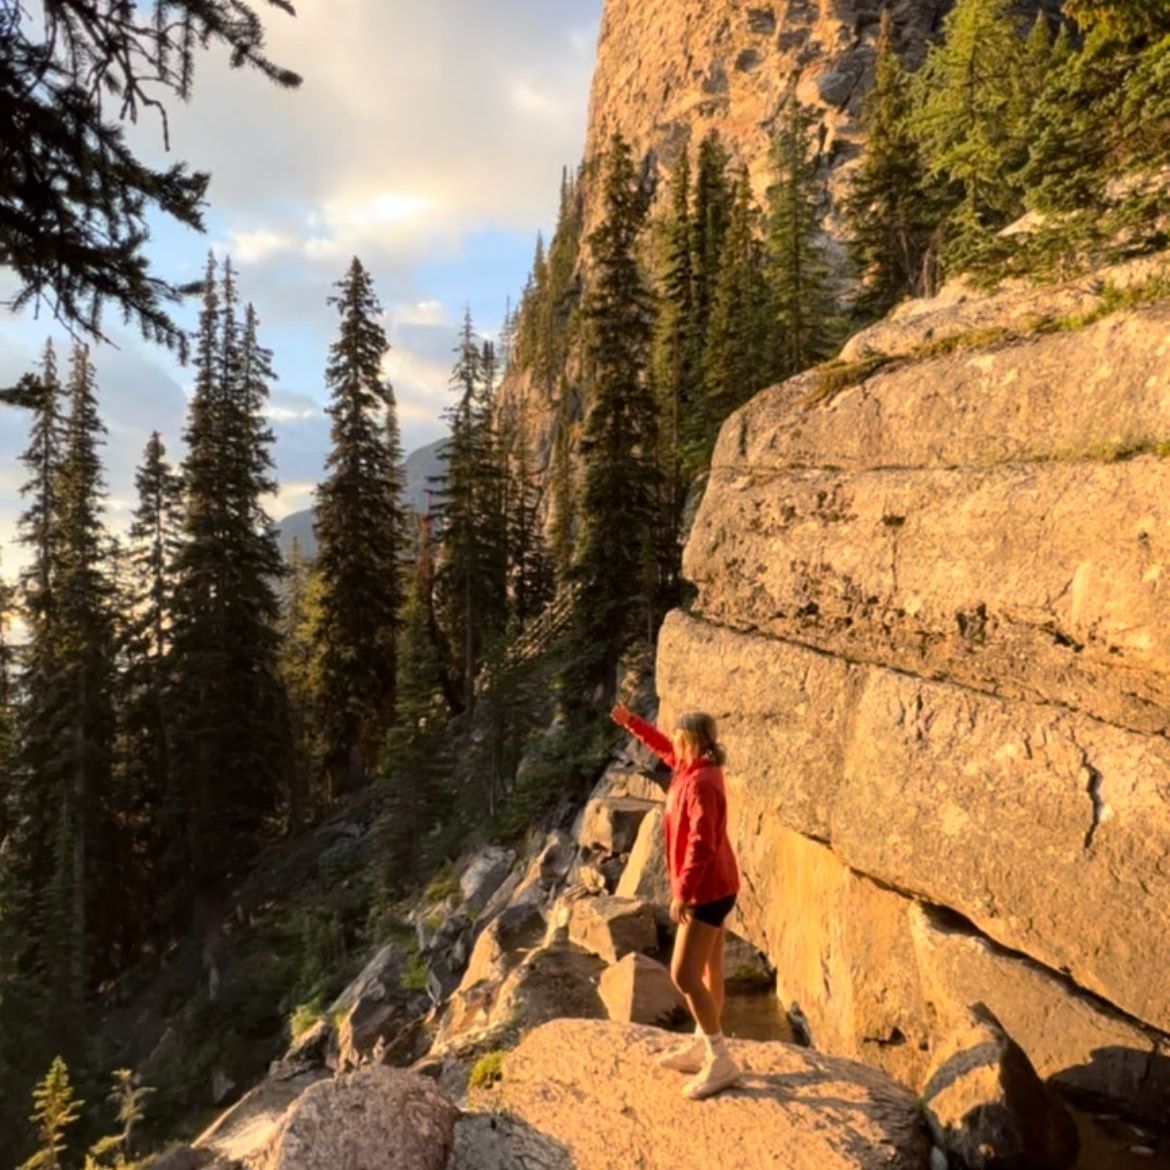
[[834, 376], [414, 974], [488, 1069], [442, 886], [303, 1017]]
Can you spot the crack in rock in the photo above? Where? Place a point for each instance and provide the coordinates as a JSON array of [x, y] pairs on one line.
[[1101, 810]]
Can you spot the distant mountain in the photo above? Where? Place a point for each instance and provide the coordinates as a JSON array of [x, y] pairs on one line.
[[421, 467]]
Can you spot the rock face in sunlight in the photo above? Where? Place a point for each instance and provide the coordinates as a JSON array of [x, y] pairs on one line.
[[670, 71], [934, 632]]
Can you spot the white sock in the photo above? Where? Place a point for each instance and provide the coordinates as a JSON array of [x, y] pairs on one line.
[[716, 1044]]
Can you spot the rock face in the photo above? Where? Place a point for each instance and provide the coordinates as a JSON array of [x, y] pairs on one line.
[[668, 71], [795, 1108], [639, 990], [986, 1106], [931, 611]]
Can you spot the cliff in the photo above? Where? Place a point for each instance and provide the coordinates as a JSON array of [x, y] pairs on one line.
[[931, 613]]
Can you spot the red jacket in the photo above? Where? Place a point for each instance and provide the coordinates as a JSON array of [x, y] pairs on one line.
[[698, 852]]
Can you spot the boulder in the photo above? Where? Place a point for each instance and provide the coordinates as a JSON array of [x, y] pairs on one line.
[[378, 978], [483, 876], [795, 1108], [986, 1106], [639, 990], [610, 824], [647, 782], [498, 950], [244, 1131], [551, 982], [374, 1117], [612, 927], [645, 876], [485, 1141]]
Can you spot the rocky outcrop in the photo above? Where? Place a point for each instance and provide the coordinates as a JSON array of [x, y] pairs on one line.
[[795, 1108], [930, 606], [668, 71], [612, 927]]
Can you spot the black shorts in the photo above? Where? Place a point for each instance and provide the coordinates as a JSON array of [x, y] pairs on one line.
[[714, 913]]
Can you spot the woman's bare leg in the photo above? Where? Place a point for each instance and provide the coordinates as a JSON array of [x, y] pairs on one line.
[[693, 945], [714, 977]]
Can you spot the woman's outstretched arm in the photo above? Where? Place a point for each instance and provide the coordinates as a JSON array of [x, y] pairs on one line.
[[654, 739]]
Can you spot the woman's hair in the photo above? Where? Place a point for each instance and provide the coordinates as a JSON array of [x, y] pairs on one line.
[[697, 736]]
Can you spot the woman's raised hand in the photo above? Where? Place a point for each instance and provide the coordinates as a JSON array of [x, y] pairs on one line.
[[621, 715]]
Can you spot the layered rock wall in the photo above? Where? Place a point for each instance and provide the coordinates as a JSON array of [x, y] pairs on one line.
[[932, 619]]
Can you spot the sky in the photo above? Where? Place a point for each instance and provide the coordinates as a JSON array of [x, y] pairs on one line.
[[427, 138]]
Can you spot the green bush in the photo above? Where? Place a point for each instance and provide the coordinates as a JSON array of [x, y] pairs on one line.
[[488, 1069]]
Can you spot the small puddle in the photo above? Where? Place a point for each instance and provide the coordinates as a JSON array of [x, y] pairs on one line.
[[755, 1015]]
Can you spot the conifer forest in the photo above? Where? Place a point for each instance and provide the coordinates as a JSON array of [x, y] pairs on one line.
[[179, 698]]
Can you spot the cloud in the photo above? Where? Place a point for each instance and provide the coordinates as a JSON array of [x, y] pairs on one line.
[[428, 139]]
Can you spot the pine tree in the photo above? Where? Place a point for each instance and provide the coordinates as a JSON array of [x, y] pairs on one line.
[[563, 521], [472, 574], [616, 563], [300, 671], [415, 761], [147, 802], [231, 747], [801, 280], [1103, 111], [739, 339], [966, 123], [55, 1109], [673, 362], [888, 208], [709, 224], [359, 531], [85, 683]]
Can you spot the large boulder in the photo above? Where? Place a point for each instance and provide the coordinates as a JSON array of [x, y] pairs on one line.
[[795, 1108], [639, 990], [375, 1117], [645, 876], [483, 875], [551, 982], [986, 1106], [500, 948], [242, 1133], [610, 824], [612, 927]]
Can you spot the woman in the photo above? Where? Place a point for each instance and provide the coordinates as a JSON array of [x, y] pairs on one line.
[[704, 881]]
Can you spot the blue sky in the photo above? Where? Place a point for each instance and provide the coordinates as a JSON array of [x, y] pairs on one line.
[[427, 139]]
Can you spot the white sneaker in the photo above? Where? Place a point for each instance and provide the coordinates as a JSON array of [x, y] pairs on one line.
[[717, 1074], [686, 1058]]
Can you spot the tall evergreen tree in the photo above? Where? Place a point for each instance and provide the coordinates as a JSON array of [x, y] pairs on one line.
[[888, 208], [709, 223], [739, 344], [147, 801], [85, 681], [801, 278], [360, 538], [616, 563], [675, 376], [231, 748], [966, 121], [472, 575]]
